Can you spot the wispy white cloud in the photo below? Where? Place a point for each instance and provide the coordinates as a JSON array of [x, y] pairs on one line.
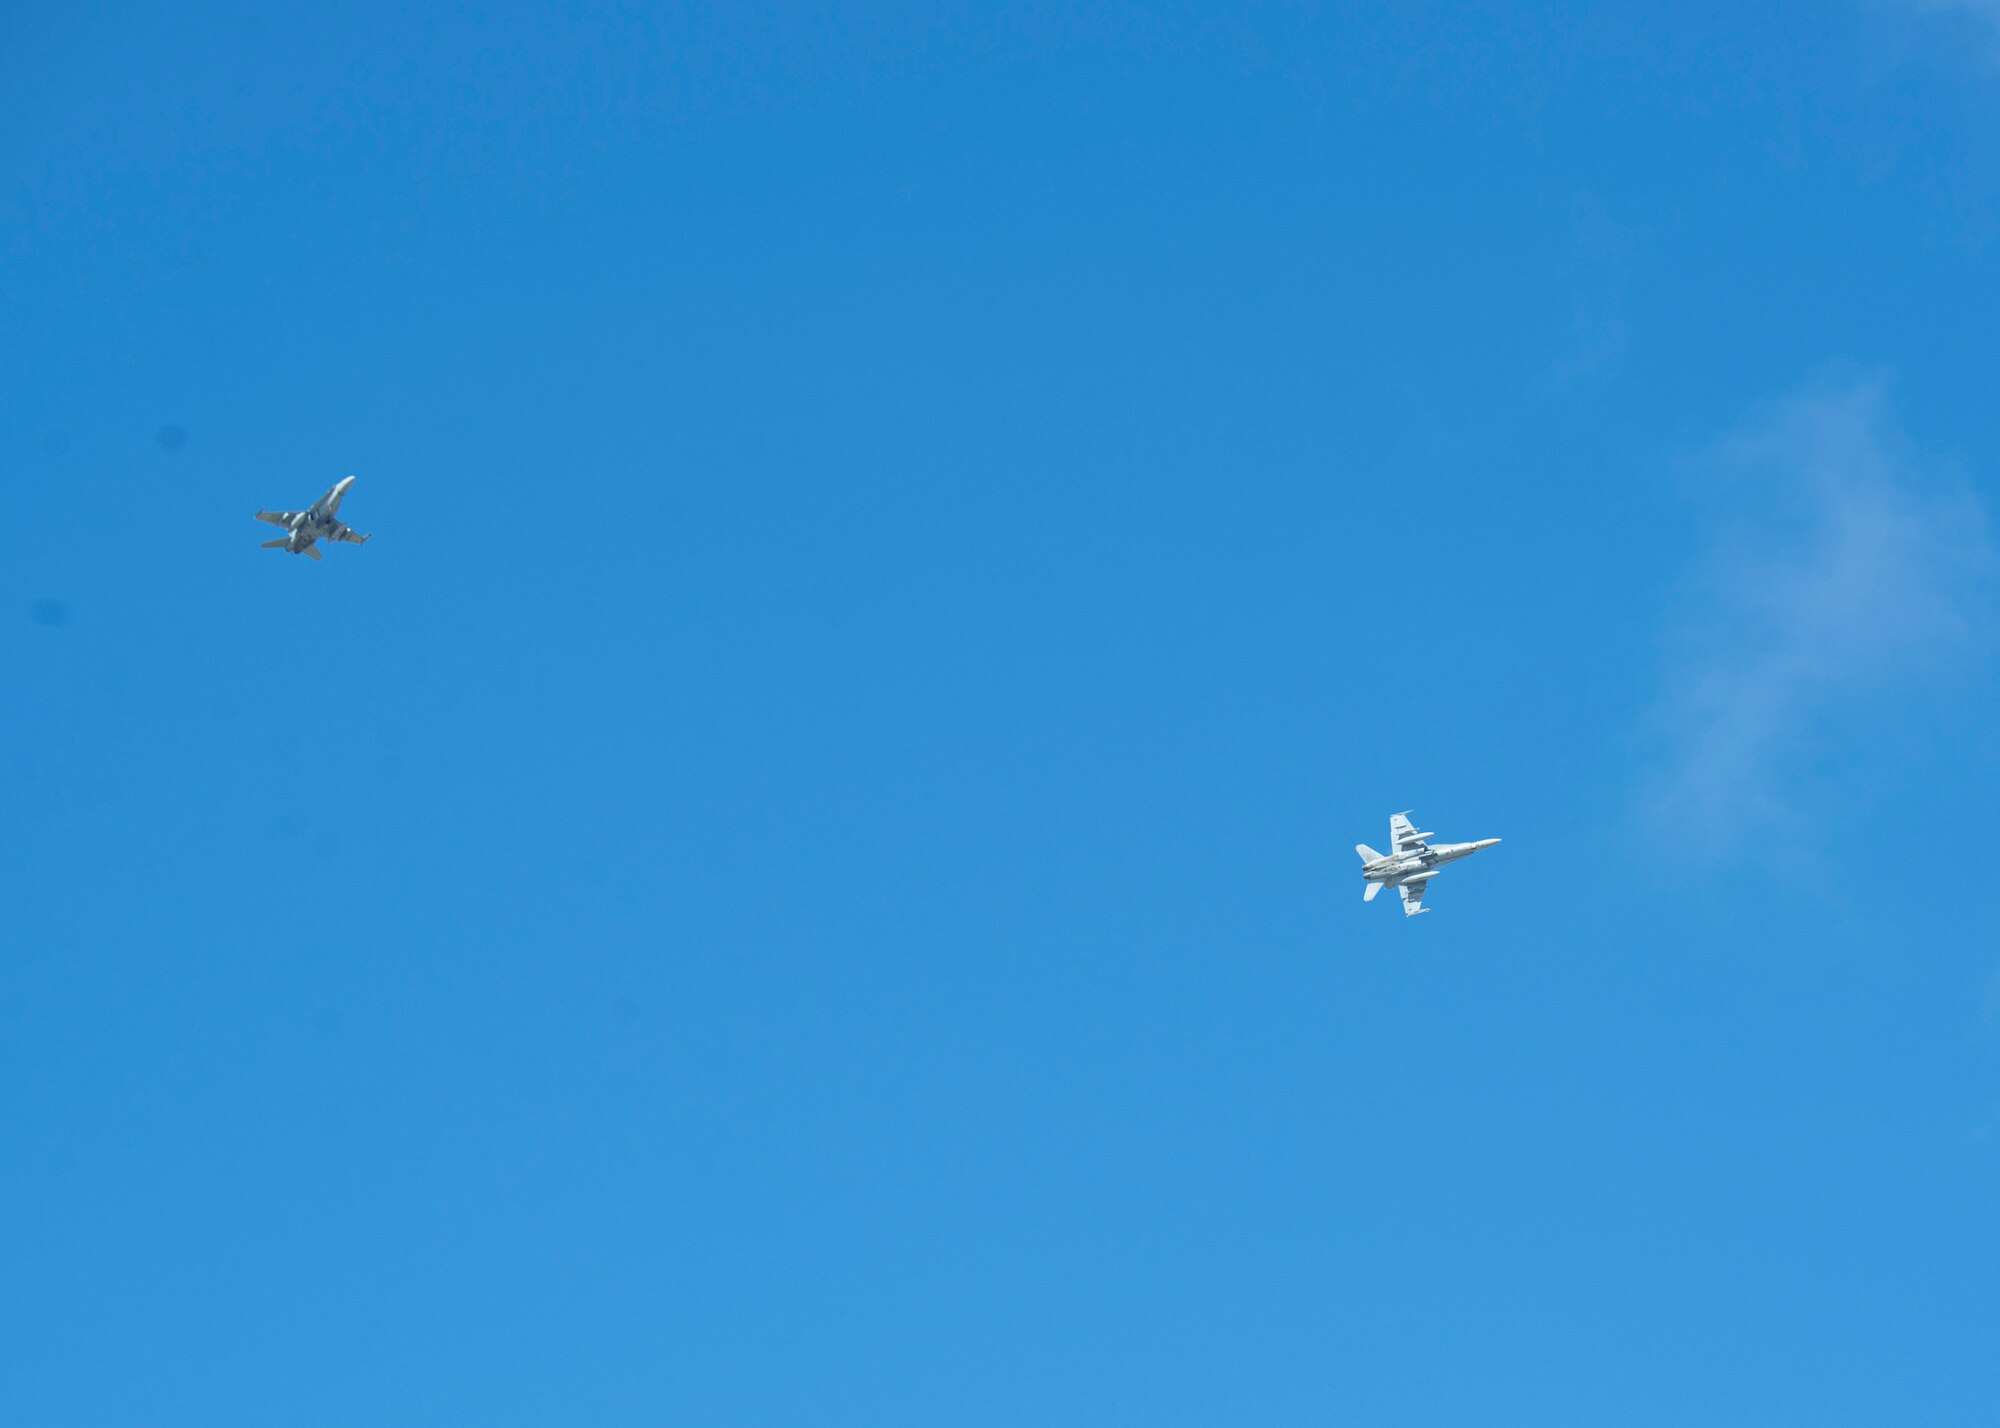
[[1838, 567]]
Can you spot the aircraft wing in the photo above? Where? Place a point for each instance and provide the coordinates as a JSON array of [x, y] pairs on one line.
[[1403, 834], [350, 535], [277, 518], [1413, 897]]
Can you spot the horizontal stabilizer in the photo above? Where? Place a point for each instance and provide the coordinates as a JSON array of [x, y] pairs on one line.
[[1368, 894], [278, 544], [1368, 854], [313, 551]]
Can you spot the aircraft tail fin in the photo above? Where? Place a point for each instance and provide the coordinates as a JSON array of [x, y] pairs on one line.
[[1368, 854], [275, 544], [1368, 893]]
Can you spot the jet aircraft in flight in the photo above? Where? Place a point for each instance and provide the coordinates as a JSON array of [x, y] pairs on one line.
[[316, 522], [1411, 863]]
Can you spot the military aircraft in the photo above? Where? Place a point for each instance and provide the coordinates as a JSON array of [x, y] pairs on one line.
[[315, 522], [1411, 864]]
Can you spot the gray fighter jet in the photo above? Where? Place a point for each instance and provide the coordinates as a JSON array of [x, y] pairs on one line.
[[1411, 864], [316, 522]]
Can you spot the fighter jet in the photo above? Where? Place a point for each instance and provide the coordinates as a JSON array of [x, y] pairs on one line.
[[316, 522], [1412, 863]]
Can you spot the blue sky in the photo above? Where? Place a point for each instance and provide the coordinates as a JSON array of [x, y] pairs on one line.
[[805, 874]]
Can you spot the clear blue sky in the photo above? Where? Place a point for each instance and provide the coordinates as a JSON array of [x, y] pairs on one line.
[[805, 875]]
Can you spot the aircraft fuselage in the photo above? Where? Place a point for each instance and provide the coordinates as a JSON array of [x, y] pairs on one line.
[[1419, 864]]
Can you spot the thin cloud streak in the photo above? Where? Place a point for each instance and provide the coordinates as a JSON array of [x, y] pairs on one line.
[[1839, 568]]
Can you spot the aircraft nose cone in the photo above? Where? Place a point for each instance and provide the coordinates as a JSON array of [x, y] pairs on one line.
[[1486, 843]]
